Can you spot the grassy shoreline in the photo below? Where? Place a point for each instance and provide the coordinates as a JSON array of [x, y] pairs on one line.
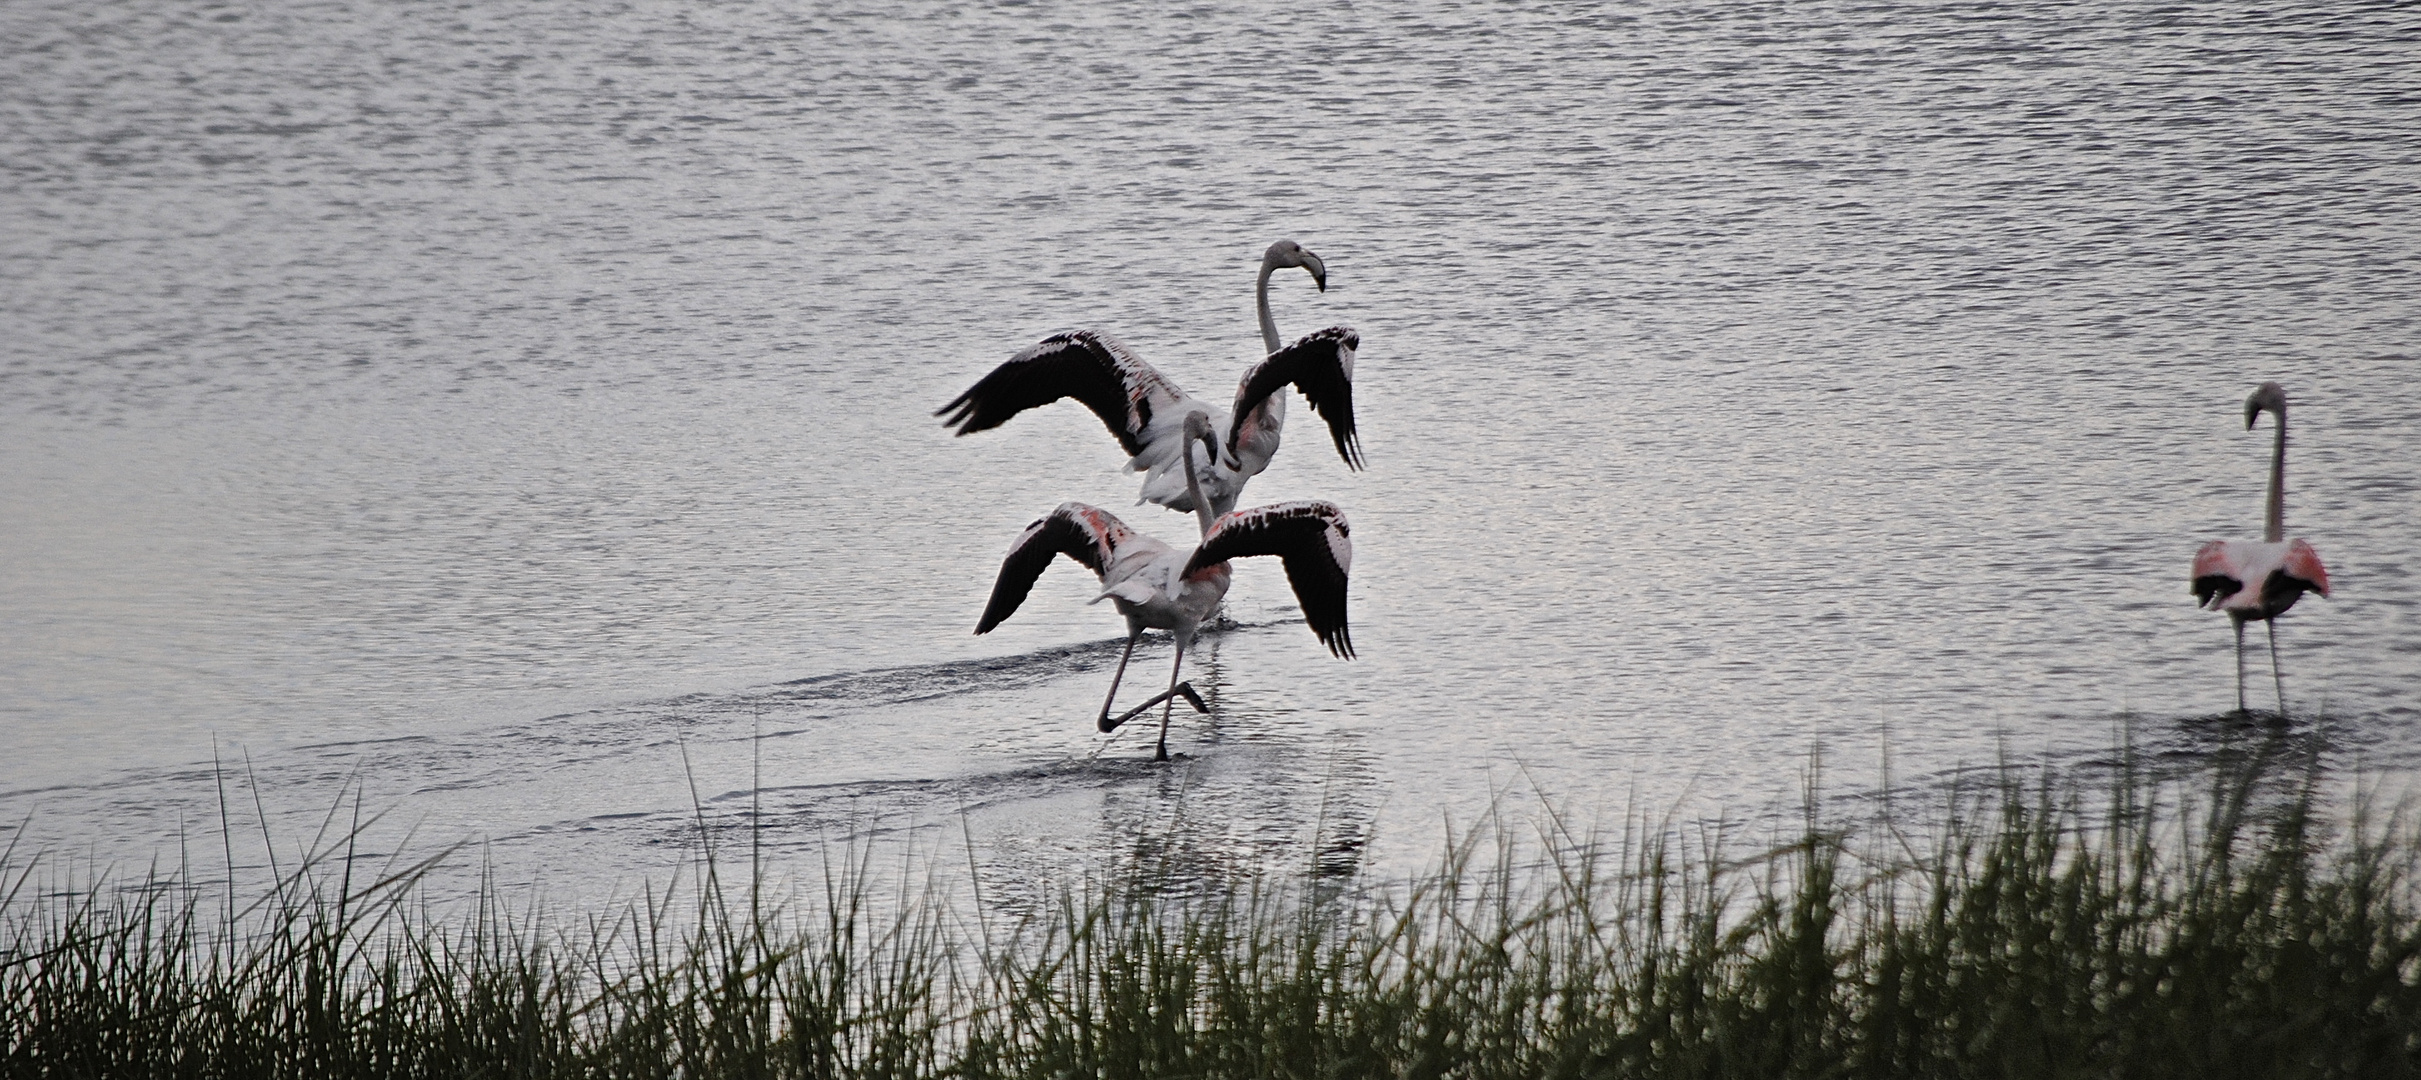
[[2209, 927]]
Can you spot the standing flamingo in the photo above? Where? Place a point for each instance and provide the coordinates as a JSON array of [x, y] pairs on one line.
[[2260, 581], [1163, 587], [1146, 411]]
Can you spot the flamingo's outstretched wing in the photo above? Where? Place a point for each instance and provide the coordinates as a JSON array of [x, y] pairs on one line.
[[1093, 368], [1087, 534], [2303, 563], [2216, 575], [1320, 364], [1315, 543]]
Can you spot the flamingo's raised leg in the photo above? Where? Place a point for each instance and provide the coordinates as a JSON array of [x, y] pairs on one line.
[[1103, 721], [1184, 690]]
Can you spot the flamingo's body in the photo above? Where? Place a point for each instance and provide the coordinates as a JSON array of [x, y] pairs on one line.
[[2257, 581], [1146, 411], [1158, 586]]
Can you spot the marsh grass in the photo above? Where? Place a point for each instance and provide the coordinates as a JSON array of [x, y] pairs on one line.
[[2211, 927]]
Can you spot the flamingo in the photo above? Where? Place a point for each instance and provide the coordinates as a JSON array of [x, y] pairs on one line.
[[2258, 582], [1146, 411], [1159, 586]]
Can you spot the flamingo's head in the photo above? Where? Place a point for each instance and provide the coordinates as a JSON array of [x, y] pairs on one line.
[[2268, 396], [1198, 426], [1289, 253]]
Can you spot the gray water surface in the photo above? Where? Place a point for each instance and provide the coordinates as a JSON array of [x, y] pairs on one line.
[[519, 414]]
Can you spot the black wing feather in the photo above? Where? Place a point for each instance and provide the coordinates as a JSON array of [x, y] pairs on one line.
[[1320, 365], [1081, 364], [1312, 539], [2280, 590], [2212, 588], [1086, 534]]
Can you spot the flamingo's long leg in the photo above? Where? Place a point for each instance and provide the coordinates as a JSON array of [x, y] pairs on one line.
[[1183, 690], [2275, 678], [1103, 721], [2239, 664], [1167, 706]]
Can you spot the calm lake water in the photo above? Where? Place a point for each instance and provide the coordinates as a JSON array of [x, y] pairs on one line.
[[519, 414]]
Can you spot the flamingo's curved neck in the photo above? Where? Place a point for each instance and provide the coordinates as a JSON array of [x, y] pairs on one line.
[[1193, 489], [1269, 327], [2273, 527]]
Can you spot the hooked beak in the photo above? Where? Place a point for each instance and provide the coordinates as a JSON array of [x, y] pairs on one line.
[[1319, 270], [1198, 426], [2271, 397]]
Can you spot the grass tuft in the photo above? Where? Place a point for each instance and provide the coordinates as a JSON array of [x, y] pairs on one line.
[[2208, 927]]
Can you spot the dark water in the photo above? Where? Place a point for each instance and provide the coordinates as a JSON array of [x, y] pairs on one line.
[[519, 413]]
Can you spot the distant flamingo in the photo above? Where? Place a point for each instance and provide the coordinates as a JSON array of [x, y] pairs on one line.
[[1145, 410], [2260, 581], [1167, 588]]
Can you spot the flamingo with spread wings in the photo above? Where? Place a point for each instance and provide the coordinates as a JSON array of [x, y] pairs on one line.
[[1156, 585], [1147, 412]]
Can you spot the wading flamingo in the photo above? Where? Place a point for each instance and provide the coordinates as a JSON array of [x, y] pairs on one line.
[[2258, 582], [1168, 588], [1146, 411]]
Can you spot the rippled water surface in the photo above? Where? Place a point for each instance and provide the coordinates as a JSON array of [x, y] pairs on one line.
[[522, 412]]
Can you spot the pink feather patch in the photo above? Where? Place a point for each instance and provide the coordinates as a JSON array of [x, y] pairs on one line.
[[2303, 562]]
